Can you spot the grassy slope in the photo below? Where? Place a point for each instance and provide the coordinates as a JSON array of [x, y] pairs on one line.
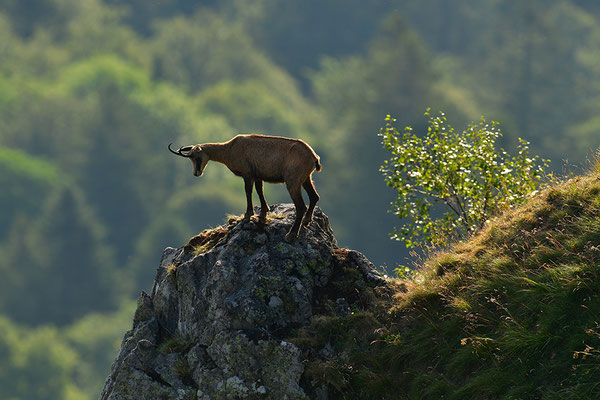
[[513, 313]]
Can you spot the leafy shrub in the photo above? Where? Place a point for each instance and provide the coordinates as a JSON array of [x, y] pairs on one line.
[[463, 171]]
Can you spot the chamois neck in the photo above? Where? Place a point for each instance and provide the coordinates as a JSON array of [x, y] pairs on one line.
[[216, 151]]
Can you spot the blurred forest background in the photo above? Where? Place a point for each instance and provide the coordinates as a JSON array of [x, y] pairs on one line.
[[92, 91]]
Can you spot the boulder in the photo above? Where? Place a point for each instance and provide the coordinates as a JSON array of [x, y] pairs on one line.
[[222, 306]]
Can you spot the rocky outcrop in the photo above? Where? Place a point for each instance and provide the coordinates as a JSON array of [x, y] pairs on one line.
[[217, 322]]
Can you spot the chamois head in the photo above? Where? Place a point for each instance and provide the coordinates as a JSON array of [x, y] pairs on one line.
[[195, 154]]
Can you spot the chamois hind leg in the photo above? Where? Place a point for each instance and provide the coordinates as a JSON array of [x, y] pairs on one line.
[[248, 183], [296, 194], [264, 208], [313, 197]]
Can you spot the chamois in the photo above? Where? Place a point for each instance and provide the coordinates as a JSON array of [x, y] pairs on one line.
[[262, 158]]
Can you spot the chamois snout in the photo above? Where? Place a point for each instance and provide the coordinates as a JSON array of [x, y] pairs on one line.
[[198, 170], [199, 160]]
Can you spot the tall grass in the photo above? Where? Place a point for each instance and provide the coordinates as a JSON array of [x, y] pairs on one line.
[[512, 313]]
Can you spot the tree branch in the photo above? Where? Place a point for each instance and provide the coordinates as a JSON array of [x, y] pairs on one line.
[[444, 199]]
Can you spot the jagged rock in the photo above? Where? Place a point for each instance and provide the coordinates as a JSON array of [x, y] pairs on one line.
[[215, 324]]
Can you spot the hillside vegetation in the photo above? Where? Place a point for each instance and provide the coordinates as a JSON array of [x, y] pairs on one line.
[[512, 313]]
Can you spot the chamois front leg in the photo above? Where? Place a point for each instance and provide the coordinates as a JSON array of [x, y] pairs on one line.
[[264, 208], [248, 183], [296, 194]]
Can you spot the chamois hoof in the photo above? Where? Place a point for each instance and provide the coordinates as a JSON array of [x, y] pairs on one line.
[[262, 219], [306, 221]]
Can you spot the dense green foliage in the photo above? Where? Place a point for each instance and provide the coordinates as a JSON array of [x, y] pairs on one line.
[[63, 363], [92, 91], [463, 171], [510, 314]]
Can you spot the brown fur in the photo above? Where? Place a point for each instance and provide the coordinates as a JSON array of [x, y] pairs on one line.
[[261, 158]]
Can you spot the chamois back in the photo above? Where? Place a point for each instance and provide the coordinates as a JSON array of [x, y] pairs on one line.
[[272, 159]]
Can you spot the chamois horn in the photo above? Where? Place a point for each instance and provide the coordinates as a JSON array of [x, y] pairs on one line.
[[179, 151]]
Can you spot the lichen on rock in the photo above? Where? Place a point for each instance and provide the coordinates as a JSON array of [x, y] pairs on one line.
[[216, 322]]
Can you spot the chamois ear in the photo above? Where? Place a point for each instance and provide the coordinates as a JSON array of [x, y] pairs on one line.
[[186, 151]]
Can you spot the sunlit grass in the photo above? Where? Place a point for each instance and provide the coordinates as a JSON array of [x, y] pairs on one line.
[[511, 313], [171, 269], [206, 240]]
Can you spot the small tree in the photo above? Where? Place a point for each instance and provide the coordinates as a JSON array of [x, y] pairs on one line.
[[463, 171]]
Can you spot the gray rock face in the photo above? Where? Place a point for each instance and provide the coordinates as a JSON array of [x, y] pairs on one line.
[[222, 306]]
